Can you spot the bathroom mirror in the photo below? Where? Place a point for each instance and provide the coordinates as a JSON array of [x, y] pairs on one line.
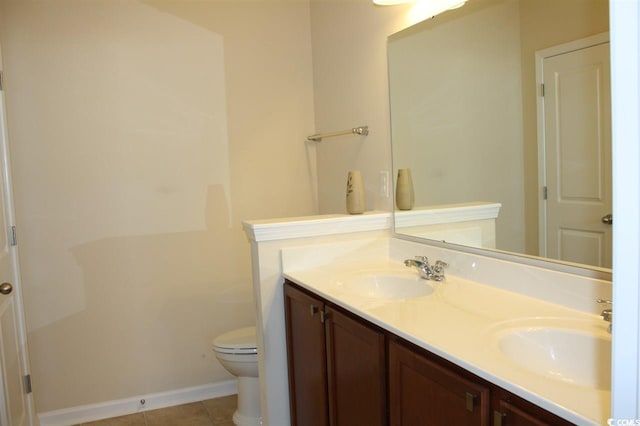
[[468, 118]]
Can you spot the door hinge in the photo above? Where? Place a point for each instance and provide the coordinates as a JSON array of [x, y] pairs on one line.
[[27, 383], [542, 90], [544, 192], [13, 236], [1, 81]]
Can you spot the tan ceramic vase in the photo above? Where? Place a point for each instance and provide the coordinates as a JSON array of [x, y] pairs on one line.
[[355, 193], [404, 190]]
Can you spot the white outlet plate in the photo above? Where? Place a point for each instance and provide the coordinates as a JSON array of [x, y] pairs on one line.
[[384, 183]]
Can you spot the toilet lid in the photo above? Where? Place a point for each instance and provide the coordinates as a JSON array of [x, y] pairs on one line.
[[240, 341]]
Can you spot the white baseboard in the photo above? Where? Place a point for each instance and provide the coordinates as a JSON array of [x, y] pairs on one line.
[[121, 407]]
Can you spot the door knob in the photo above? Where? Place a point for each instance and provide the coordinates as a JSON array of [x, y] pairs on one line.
[[6, 288], [608, 219]]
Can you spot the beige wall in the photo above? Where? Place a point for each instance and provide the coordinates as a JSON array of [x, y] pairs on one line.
[[142, 134], [350, 87]]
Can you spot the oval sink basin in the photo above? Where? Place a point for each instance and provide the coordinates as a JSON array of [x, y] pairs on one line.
[[573, 356], [389, 286]]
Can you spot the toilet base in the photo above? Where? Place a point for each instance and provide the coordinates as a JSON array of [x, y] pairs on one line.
[[248, 412], [240, 420]]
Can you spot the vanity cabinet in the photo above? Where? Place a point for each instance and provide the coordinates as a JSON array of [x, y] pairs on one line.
[[337, 364], [340, 364]]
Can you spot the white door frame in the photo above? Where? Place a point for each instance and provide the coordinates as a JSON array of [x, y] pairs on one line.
[[624, 17], [541, 55]]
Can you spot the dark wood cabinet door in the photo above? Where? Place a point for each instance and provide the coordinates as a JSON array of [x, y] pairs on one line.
[[424, 393], [306, 351], [356, 371], [512, 411]]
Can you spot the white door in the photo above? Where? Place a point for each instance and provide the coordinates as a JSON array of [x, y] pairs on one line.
[[576, 103], [16, 402]]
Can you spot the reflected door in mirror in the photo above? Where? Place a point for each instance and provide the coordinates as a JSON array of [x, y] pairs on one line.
[[577, 146]]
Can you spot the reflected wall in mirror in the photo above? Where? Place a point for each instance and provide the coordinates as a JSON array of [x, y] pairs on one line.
[[468, 118]]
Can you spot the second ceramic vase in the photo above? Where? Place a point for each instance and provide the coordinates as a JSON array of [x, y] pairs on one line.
[[404, 190], [355, 193]]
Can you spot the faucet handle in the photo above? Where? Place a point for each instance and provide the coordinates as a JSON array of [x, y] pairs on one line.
[[441, 264], [607, 314], [438, 270], [424, 260]]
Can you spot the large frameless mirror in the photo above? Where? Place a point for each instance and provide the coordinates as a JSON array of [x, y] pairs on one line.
[[501, 111]]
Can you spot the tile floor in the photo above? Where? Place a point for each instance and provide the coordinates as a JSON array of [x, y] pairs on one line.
[[212, 412]]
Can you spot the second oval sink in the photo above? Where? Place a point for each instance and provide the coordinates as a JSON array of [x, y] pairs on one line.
[[572, 355], [389, 286]]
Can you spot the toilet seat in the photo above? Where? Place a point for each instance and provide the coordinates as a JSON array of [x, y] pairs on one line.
[[237, 342]]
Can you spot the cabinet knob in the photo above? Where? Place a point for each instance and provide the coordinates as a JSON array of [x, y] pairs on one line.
[[498, 418], [313, 310]]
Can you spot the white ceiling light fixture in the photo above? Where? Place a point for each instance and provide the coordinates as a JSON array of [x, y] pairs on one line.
[[390, 2], [426, 8]]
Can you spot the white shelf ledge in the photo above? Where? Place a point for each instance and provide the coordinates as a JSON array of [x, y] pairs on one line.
[[449, 213], [315, 226]]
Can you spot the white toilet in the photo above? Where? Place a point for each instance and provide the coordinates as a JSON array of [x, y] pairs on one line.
[[237, 352]]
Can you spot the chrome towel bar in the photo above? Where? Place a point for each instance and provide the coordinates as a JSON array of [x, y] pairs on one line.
[[362, 130]]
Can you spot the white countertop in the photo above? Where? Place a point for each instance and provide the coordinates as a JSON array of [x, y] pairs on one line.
[[459, 322]]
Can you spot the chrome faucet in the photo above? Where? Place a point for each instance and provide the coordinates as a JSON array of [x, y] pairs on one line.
[[427, 271], [607, 314]]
